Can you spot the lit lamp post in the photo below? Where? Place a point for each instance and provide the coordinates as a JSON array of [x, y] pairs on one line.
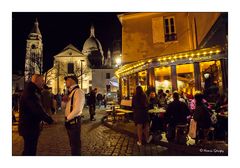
[[118, 61], [82, 74]]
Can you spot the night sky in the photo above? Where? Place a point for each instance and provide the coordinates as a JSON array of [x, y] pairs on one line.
[[60, 29]]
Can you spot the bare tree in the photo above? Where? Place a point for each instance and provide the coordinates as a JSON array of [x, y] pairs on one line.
[[59, 70]]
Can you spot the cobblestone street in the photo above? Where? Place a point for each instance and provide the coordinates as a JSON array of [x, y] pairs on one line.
[[97, 140]]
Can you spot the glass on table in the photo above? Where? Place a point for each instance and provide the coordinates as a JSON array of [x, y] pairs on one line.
[[155, 106]]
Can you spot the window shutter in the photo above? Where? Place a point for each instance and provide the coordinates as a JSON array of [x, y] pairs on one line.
[[158, 30]]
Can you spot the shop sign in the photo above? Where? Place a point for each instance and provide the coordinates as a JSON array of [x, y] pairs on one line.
[[164, 63], [202, 58]]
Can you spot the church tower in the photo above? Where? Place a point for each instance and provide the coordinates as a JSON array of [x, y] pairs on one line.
[[34, 53]]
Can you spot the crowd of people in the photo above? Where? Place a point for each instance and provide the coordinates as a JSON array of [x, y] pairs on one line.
[[180, 109], [37, 104]]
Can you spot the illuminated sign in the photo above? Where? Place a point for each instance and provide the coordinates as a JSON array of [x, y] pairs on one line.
[[202, 58]]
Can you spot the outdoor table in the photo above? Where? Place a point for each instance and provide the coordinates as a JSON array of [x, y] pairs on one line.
[[157, 111], [157, 119], [111, 109], [110, 103]]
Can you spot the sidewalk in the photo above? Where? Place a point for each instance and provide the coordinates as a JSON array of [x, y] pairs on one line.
[[211, 148]]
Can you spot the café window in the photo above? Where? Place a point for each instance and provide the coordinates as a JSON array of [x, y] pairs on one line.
[[185, 78], [211, 76], [132, 84], [170, 29], [124, 82], [163, 78], [142, 79], [70, 68]]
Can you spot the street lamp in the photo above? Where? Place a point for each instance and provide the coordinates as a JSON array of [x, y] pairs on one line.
[[118, 61]]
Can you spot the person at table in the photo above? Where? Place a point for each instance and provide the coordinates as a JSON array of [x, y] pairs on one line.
[[183, 97], [155, 120], [202, 117], [168, 96], [162, 98], [153, 100], [140, 114], [176, 113]]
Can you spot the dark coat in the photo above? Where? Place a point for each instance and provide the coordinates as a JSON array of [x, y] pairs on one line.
[[31, 111], [140, 109], [92, 98], [177, 113]]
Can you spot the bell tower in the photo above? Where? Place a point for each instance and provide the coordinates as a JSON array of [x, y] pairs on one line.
[[34, 53]]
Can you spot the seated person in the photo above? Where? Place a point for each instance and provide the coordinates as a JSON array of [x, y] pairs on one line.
[[153, 100], [162, 98], [177, 113]]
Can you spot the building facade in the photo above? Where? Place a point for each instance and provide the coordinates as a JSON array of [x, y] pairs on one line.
[[70, 61], [103, 80], [173, 51]]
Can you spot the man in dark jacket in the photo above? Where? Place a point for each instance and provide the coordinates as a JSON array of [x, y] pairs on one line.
[[92, 104], [31, 114], [177, 113]]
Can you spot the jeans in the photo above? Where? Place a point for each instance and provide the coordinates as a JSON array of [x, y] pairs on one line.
[[74, 133]]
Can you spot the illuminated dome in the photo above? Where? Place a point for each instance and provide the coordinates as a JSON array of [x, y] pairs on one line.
[[92, 44], [92, 48]]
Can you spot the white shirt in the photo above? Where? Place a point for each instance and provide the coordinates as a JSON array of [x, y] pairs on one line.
[[78, 103]]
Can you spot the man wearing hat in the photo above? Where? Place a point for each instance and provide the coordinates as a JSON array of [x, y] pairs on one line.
[[73, 111]]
